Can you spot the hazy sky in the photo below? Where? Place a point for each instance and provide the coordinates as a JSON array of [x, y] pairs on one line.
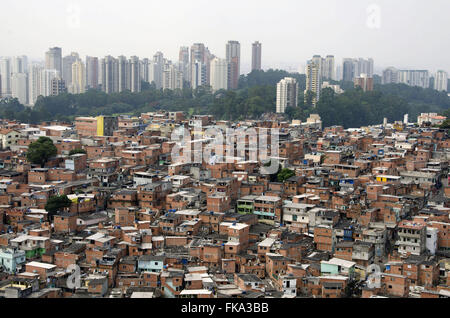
[[405, 33]]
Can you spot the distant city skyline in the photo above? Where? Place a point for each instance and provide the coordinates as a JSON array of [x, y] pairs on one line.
[[378, 29]]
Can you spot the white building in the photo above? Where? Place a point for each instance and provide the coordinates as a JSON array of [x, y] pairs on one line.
[[336, 88], [432, 239], [5, 77], [287, 94], [390, 75], [172, 77], [67, 63], [46, 81], [198, 74], [53, 59], [432, 118], [419, 78], [441, 81], [135, 74], [34, 83], [19, 64], [313, 80], [219, 74], [233, 56], [78, 81], [329, 68], [92, 72], [19, 87]]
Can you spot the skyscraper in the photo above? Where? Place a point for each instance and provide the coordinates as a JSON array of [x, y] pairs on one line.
[[19, 87], [172, 77], [353, 68], [158, 68], [46, 82], [329, 68], [365, 82], [34, 83], [58, 86], [198, 52], [390, 75], [219, 74], [143, 65], [19, 64], [441, 81], [110, 74], [123, 70], [53, 59], [233, 56], [256, 56], [198, 76], [67, 62], [92, 73], [5, 74], [348, 70], [201, 54], [135, 74], [287, 94], [78, 81], [313, 81], [419, 78], [184, 64]]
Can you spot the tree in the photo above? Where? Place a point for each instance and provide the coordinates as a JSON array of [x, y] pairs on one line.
[[77, 151], [445, 124], [40, 151], [56, 204], [285, 174]]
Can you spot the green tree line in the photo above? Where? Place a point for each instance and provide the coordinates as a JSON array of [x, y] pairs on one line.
[[255, 96]]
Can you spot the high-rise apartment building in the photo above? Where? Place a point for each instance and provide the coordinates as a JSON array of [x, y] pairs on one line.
[[256, 56], [123, 73], [353, 68], [78, 80], [156, 70], [419, 78], [58, 86], [201, 53], [110, 74], [348, 67], [198, 74], [5, 77], [219, 74], [287, 94], [172, 77], [365, 82], [144, 67], [329, 68], [338, 72], [46, 82], [441, 81], [390, 76], [313, 80], [184, 63], [67, 63], [19, 87], [53, 59], [233, 56], [198, 52], [19, 64], [135, 74], [92, 73], [34, 83]]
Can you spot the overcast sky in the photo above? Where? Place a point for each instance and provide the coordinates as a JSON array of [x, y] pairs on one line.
[[401, 33]]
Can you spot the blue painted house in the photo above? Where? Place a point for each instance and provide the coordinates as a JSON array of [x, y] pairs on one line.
[[150, 263]]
